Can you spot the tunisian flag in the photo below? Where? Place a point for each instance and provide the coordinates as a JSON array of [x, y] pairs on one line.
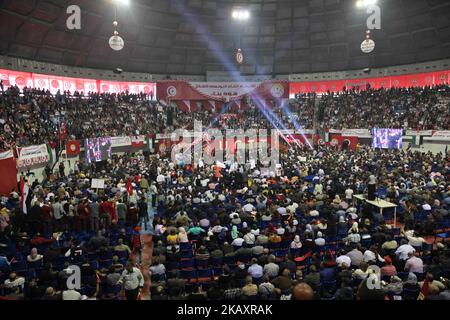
[[8, 173], [73, 147], [138, 141], [425, 290]]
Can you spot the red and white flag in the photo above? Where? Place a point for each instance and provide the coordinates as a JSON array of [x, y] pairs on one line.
[[138, 141], [73, 147], [129, 187], [24, 190], [63, 131]]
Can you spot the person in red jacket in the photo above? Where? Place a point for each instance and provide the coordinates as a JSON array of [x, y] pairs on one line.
[[83, 216], [46, 214], [107, 213], [132, 215], [136, 243]]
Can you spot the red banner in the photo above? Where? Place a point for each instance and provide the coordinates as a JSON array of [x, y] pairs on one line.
[[8, 172], [187, 105], [165, 146], [403, 81], [73, 147], [55, 83]]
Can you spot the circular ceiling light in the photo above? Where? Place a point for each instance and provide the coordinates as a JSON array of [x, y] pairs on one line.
[[240, 14], [116, 43], [367, 46]]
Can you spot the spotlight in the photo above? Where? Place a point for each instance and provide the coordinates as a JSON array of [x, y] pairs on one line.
[[365, 3], [122, 2], [118, 70], [240, 14]]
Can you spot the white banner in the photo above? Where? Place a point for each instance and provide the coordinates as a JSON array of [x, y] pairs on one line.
[[441, 134], [355, 132], [225, 89], [120, 141], [33, 155], [6, 155], [415, 133]]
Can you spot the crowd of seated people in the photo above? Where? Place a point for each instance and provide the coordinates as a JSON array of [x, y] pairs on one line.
[[405, 108], [234, 233], [32, 116]]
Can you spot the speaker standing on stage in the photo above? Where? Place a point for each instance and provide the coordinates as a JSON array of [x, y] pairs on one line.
[[371, 186]]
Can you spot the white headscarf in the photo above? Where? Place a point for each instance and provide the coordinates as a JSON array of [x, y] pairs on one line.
[[296, 244]]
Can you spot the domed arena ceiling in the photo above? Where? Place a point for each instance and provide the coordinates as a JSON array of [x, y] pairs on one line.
[[196, 36]]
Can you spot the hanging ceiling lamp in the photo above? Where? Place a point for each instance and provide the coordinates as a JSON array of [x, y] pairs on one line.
[[116, 42]]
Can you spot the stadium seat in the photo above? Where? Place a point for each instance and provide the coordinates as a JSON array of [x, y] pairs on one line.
[[185, 246], [229, 260], [187, 263], [408, 294], [218, 271], [217, 261], [105, 264], [201, 263], [19, 265], [204, 275], [121, 254], [186, 254], [190, 275], [35, 264]]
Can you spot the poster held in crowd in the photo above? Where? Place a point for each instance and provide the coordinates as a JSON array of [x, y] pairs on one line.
[[98, 183]]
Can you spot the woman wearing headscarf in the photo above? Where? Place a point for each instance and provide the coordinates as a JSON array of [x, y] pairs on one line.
[[395, 286], [342, 224], [234, 232], [34, 256], [296, 243], [320, 240], [309, 233], [353, 234], [354, 228], [411, 286]]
